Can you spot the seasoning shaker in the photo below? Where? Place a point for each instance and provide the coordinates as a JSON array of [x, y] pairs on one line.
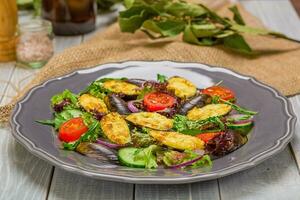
[[8, 23], [34, 43]]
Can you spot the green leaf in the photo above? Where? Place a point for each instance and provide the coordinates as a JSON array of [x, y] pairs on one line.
[[239, 109], [147, 154], [141, 139], [150, 25], [60, 118], [128, 3], [237, 17], [96, 89], [48, 122], [190, 37], [167, 28], [215, 17], [204, 30], [258, 31], [205, 161], [224, 34], [249, 30], [71, 146], [133, 18], [180, 9], [237, 42], [144, 91], [199, 24], [191, 127], [93, 133], [161, 78], [66, 94], [174, 158]]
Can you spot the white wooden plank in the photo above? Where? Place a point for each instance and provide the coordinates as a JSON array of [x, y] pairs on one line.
[[66, 185], [296, 141], [6, 71], [276, 178], [207, 190], [166, 192], [23, 176]]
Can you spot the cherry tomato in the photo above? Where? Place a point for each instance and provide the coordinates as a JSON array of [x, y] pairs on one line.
[[205, 137], [72, 129], [222, 92], [156, 101]]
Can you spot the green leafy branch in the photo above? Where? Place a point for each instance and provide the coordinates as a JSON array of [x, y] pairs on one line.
[[199, 25]]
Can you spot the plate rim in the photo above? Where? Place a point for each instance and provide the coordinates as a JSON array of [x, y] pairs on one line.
[[281, 143]]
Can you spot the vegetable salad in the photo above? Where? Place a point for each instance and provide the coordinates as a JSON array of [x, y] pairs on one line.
[[167, 122]]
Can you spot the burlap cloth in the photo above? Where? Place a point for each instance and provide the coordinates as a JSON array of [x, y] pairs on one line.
[[277, 63]]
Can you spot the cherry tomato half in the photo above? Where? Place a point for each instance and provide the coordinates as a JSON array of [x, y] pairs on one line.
[[156, 101], [71, 130], [222, 92], [205, 137]]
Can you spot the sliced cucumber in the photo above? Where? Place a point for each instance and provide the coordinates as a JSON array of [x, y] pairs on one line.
[[242, 129], [126, 157]]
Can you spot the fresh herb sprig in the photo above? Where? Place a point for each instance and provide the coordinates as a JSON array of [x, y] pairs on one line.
[[161, 78], [190, 127], [239, 109], [199, 25]]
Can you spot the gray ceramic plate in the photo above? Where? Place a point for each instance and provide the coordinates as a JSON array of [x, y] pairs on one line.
[[274, 126]]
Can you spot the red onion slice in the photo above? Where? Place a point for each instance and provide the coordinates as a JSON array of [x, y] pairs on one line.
[[131, 106], [109, 145], [237, 119]]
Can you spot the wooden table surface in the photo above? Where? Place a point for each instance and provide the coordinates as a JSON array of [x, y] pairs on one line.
[[24, 176]]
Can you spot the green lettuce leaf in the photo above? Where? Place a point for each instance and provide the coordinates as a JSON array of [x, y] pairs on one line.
[[60, 118], [66, 94], [161, 78], [148, 155]]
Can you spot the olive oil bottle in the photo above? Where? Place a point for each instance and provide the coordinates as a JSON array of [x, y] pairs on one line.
[[70, 17]]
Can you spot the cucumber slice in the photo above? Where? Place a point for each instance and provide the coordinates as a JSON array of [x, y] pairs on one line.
[[126, 157], [242, 129]]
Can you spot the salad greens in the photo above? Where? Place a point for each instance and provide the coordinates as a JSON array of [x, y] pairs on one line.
[[66, 94], [60, 118], [148, 156], [114, 117], [161, 78], [183, 125]]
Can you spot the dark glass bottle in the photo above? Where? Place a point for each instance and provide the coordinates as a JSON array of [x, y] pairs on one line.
[[70, 17]]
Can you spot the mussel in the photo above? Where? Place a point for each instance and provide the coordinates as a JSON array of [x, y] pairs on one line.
[[199, 101], [97, 151], [117, 104]]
